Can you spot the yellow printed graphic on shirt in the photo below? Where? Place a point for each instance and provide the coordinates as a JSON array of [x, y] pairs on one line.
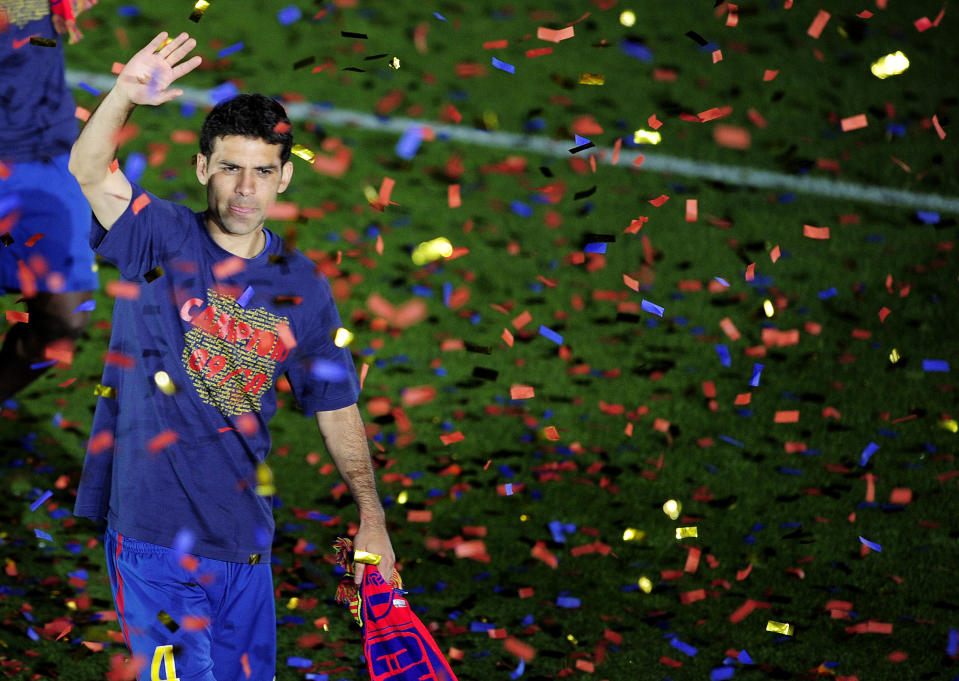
[[21, 12], [231, 352]]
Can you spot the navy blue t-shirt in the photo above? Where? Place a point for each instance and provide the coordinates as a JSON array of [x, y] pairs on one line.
[[224, 329], [37, 110]]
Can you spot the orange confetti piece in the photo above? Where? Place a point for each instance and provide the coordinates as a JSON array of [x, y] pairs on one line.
[[507, 337], [417, 395], [787, 416], [81, 113], [286, 335], [161, 441], [717, 56], [631, 283], [775, 253], [551, 433], [128, 290], [196, 623], [692, 210], [227, 268], [659, 200], [585, 666], [521, 392], [812, 232], [495, 44], [452, 437], [100, 441], [939, 130], [14, 316], [900, 495], [638, 161], [729, 329], [854, 122], [750, 271], [540, 552], [618, 144], [732, 137], [116, 67], [453, 196], [245, 661], [522, 319], [417, 516], [524, 651], [139, 203], [818, 24], [554, 36], [743, 398]]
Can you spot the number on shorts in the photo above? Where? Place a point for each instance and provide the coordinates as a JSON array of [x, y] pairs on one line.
[[164, 654]]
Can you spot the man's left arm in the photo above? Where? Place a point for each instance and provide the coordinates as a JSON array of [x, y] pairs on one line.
[[345, 438]]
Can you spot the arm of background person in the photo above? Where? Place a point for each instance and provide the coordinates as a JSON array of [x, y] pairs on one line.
[[345, 438], [145, 79]]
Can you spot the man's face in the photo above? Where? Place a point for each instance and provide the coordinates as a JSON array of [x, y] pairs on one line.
[[242, 177]]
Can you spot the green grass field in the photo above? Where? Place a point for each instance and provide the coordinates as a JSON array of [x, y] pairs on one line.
[[630, 409]]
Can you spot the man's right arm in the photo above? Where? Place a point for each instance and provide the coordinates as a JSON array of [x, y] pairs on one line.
[[144, 80]]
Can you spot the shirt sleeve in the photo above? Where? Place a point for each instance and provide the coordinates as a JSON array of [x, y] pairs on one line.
[[322, 375], [149, 230]]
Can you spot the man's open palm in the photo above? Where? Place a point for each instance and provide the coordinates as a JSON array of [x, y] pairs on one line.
[[146, 78]]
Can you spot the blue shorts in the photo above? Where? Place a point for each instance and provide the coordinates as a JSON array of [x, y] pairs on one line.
[[42, 197], [191, 618]]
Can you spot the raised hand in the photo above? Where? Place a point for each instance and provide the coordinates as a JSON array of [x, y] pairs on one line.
[[147, 77]]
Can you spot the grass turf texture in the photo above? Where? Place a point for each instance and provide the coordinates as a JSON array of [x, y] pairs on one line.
[[794, 516]]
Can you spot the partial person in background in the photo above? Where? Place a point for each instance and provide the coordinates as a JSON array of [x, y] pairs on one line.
[[45, 256]]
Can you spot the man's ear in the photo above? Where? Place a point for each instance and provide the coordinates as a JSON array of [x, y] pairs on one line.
[[286, 174], [201, 169]]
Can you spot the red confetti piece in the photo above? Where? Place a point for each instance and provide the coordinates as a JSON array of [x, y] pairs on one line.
[[670, 662], [540, 552], [524, 651], [732, 137], [286, 335], [116, 67], [729, 329], [538, 52], [743, 398], [13, 317], [128, 290], [717, 56], [495, 44], [787, 416], [522, 319], [883, 313], [453, 196], [775, 253], [811, 232], [659, 200], [229, 267], [638, 161], [521, 392], [688, 597], [770, 74], [100, 441], [818, 24], [417, 395], [452, 437], [900, 495], [922, 24], [245, 661], [119, 359], [870, 627], [630, 282], [139, 203], [161, 441], [551, 433], [654, 122], [415, 516], [507, 337], [939, 130], [744, 573], [692, 210], [81, 113], [742, 611], [854, 122], [554, 36], [585, 666], [750, 271], [692, 561]]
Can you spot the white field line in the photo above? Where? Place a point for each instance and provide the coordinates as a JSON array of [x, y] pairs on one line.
[[654, 162]]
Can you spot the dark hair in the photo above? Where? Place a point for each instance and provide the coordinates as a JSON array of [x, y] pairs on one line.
[[252, 115]]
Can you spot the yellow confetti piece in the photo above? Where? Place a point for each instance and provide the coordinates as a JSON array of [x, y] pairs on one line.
[[644, 584], [342, 338], [105, 391], [164, 382], [592, 79], [779, 627], [627, 18], [264, 480], [402, 497], [647, 137], [428, 251], [672, 508], [949, 424], [303, 152], [684, 532], [366, 558], [890, 65], [292, 603], [198, 9], [395, 63], [768, 308], [894, 356], [632, 534]]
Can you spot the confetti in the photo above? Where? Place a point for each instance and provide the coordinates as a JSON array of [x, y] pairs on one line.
[[503, 66], [818, 24], [890, 65], [686, 532], [779, 627], [872, 545], [199, 9]]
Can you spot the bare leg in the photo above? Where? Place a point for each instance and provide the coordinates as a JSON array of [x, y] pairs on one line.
[[52, 318]]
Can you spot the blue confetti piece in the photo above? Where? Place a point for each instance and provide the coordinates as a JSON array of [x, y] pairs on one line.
[[790, 471], [579, 141], [547, 332], [32, 634], [757, 372], [299, 662], [328, 371], [43, 365], [79, 574], [871, 544], [9, 203], [744, 658], [42, 535], [128, 11], [722, 281], [683, 647], [89, 88], [952, 643], [230, 49], [39, 502], [509, 489], [478, 627], [135, 164], [556, 529], [183, 541], [726, 438], [599, 247], [721, 673], [86, 306], [527, 621], [439, 16], [503, 66], [636, 50], [520, 668], [568, 602], [245, 297], [317, 677], [409, 142], [222, 93], [935, 365], [521, 209], [724, 357], [447, 292], [928, 217], [289, 15], [870, 449], [652, 308], [828, 293]]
